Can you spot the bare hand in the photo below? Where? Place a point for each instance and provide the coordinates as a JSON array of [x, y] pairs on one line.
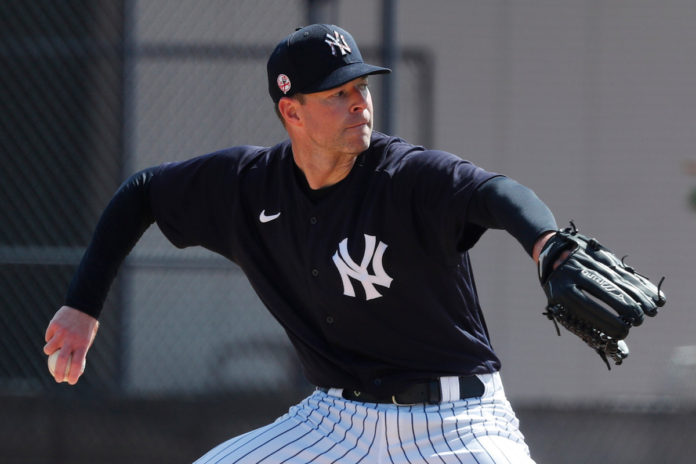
[[73, 332]]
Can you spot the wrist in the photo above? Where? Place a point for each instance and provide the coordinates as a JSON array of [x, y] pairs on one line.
[[539, 244]]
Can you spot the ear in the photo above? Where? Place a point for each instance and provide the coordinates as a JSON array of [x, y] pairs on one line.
[[288, 108]]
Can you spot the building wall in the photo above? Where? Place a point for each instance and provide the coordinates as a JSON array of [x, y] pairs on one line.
[[588, 102]]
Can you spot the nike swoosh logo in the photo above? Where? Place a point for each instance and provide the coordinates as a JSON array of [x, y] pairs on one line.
[[267, 218]]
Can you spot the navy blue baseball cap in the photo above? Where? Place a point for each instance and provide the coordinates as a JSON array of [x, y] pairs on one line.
[[315, 58]]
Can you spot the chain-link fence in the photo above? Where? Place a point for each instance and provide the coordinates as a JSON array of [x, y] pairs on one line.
[[91, 92], [61, 132]]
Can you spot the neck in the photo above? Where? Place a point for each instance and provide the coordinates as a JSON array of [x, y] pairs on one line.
[[321, 170]]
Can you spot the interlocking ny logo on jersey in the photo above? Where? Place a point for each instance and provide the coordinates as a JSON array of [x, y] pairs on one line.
[[337, 41], [350, 269]]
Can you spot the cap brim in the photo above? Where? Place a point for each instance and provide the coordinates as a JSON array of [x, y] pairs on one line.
[[345, 74]]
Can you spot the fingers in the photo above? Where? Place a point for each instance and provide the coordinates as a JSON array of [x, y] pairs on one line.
[[66, 366], [70, 361], [77, 366], [60, 364], [50, 332], [52, 345], [72, 332]]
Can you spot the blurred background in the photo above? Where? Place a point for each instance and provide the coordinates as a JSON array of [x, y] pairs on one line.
[[589, 102]]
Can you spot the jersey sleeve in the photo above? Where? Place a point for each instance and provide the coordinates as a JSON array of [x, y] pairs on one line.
[[444, 186], [189, 199], [120, 226], [503, 203]]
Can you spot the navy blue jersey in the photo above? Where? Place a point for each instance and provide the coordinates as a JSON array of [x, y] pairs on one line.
[[372, 282]]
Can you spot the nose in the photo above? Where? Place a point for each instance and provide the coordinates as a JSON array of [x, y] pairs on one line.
[[360, 100]]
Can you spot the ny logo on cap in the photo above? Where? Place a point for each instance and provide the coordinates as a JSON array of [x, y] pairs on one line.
[[339, 41]]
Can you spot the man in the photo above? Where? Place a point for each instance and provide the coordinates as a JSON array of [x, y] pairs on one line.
[[357, 243]]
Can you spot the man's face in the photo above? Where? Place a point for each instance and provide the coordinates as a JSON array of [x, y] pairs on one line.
[[339, 120]]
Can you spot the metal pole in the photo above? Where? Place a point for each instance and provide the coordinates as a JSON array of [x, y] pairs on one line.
[[312, 12], [321, 11], [122, 337], [389, 57]]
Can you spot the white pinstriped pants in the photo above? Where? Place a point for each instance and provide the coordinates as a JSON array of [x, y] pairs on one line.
[[324, 428]]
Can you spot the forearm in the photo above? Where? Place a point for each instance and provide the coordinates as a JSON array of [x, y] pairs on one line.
[[502, 203], [121, 225]]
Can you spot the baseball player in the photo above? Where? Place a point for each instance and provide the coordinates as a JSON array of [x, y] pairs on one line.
[[357, 243]]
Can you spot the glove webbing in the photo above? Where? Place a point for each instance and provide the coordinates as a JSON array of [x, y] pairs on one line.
[[604, 345]]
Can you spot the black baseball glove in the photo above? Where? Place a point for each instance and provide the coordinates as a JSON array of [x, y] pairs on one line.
[[594, 294]]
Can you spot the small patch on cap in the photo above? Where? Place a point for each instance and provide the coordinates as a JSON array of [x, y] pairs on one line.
[[283, 83]]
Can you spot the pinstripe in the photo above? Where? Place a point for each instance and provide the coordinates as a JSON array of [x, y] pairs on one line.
[[427, 429], [444, 435], [229, 443], [476, 437], [365, 414], [386, 436], [250, 437], [234, 445], [316, 428], [413, 430], [272, 453], [345, 433], [357, 440], [362, 433], [374, 435], [230, 448], [266, 442], [327, 436], [306, 448], [506, 425], [325, 429], [398, 433], [459, 435], [493, 412]]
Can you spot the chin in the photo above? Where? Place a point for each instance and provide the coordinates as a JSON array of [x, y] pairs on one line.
[[358, 141], [362, 145], [365, 138]]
